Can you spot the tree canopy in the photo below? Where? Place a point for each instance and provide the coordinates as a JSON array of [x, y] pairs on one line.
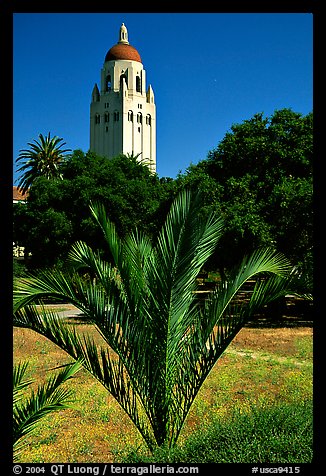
[[57, 212], [259, 177], [42, 159]]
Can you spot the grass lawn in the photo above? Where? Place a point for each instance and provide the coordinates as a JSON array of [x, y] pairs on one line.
[[261, 369]]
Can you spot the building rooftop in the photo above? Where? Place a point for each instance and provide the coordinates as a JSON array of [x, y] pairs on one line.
[[123, 50], [17, 195]]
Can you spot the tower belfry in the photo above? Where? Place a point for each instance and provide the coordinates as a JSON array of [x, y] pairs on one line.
[[123, 112]]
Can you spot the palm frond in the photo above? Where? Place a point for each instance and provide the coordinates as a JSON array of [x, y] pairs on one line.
[[43, 158], [81, 256], [161, 343], [260, 261], [50, 284], [19, 383], [108, 229], [183, 246], [48, 398], [108, 369]]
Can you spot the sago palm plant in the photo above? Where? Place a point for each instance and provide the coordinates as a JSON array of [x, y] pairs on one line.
[[43, 159], [144, 304], [29, 410]]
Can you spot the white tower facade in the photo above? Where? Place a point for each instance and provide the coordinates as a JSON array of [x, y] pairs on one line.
[[123, 112]]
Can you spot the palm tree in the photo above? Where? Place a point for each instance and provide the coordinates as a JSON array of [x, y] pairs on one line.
[[144, 304], [42, 159], [27, 412]]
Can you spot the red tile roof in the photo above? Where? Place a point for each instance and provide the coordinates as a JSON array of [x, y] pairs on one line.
[[17, 195], [123, 52]]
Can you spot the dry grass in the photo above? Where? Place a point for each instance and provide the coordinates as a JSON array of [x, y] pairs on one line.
[[260, 365]]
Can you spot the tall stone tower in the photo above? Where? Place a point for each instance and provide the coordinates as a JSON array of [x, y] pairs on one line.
[[122, 112]]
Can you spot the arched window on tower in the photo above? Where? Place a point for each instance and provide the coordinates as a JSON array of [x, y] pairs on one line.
[[106, 117], [116, 116], [139, 118], [138, 84], [148, 120], [97, 119], [123, 76], [130, 116], [108, 83]]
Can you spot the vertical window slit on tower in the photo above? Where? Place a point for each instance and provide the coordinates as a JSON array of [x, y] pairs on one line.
[[108, 82], [138, 85]]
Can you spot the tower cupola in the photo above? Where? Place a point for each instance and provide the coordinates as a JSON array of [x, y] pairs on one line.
[[123, 50]]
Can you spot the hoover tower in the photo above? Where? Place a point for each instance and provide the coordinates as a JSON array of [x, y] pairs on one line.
[[123, 112]]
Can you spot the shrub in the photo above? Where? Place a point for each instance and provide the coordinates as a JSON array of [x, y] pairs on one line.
[[265, 434], [19, 268]]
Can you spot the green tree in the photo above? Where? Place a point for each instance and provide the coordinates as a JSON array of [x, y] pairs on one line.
[[57, 212], [42, 159], [20, 223], [267, 148], [144, 305], [130, 191], [262, 171], [49, 397]]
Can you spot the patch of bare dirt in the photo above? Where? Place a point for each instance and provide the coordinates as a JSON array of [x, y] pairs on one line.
[[281, 341]]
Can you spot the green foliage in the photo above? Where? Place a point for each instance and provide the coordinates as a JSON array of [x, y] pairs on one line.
[[49, 397], [266, 148], [143, 303], [131, 193], [272, 434], [42, 159], [260, 177], [19, 269], [57, 212]]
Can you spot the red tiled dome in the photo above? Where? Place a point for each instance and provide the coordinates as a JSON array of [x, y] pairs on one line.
[[122, 51]]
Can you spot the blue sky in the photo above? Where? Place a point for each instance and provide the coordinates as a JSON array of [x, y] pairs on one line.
[[208, 71]]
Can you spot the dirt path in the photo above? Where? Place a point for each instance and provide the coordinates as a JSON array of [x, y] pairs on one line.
[[64, 310], [272, 357]]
